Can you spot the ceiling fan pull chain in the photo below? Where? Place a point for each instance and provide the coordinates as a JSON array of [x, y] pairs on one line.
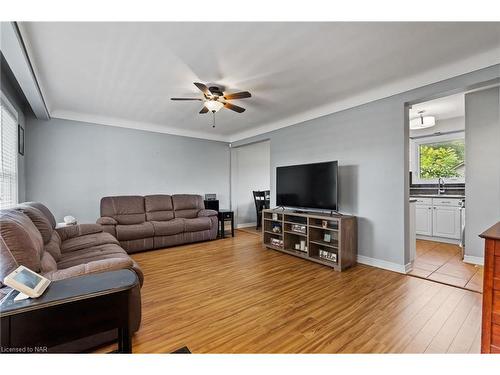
[[213, 114]]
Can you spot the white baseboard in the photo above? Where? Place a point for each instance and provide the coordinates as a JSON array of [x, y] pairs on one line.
[[409, 267], [383, 264], [246, 225], [438, 239], [474, 260]]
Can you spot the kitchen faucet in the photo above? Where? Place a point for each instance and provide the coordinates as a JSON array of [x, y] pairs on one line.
[[441, 189]]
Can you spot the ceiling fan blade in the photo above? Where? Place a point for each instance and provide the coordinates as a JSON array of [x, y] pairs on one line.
[[204, 110], [204, 89], [238, 95], [233, 107], [185, 99]]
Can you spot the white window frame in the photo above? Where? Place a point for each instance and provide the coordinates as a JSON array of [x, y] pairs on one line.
[[12, 110], [416, 159]]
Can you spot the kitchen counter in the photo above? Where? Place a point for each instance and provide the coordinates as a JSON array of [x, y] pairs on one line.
[[437, 196]]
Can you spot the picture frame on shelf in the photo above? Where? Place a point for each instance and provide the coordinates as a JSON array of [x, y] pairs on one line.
[[328, 255], [327, 237], [299, 228]]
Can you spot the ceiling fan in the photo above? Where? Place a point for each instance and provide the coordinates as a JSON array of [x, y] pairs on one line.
[[214, 99]]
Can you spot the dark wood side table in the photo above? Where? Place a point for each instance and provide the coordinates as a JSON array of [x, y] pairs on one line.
[[226, 215], [69, 310], [490, 328]]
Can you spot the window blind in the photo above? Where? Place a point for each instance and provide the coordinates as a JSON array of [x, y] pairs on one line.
[[8, 154]]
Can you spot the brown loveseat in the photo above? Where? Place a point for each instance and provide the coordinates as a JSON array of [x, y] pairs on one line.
[[157, 221], [29, 238]]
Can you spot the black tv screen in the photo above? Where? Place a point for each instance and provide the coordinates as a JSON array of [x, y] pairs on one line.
[[308, 186]]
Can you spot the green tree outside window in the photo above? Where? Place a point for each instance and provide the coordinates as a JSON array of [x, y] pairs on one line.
[[444, 159]]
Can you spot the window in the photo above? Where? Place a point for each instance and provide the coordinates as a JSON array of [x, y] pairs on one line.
[[8, 154], [440, 156]]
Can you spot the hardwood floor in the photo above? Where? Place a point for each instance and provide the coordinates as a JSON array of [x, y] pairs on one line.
[[442, 262], [234, 296], [252, 230]]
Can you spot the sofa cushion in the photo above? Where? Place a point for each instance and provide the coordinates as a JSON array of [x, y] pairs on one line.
[[124, 209], [134, 231], [71, 231], [39, 219], [104, 251], [22, 239], [187, 205], [54, 246], [158, 207], [44, 210], [197, 224], [48, 264], [167, 228], [86, 241], [94, 266]]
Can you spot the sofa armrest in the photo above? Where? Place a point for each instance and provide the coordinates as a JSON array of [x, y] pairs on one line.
[[106, 220], [96, 266], [207, 213], [72, 231]]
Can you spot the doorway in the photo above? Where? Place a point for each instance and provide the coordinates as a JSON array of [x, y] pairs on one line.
[[437, 164], [250, 171]]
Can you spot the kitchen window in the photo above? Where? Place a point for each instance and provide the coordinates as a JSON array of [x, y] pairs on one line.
[[439, 156], [8, 154]]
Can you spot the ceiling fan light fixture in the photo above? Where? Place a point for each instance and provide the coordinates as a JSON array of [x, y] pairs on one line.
[[213, 105], [422, 121]]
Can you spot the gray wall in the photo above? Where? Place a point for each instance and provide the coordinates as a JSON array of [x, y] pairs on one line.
[[71, 165], [8, 88], [371, 144], [482, 184], [367, 142], [250, 170]]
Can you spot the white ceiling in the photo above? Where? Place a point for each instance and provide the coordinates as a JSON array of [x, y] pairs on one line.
[[443, 108], [123, 74]]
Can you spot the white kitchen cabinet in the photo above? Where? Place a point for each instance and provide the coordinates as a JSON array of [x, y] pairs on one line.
[[446, 222], [438, 217], [423, 219]]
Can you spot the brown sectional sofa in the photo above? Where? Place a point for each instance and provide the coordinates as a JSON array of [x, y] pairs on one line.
[[157, 221], [28, 237]]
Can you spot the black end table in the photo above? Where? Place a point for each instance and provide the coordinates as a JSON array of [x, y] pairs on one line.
[[70, 309], [226, 215], [211, 204]]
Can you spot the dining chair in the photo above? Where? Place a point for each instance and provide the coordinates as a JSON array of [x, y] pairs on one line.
[[259, 198]]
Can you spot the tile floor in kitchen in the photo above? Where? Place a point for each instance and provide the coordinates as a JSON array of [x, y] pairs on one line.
[[442, 262]]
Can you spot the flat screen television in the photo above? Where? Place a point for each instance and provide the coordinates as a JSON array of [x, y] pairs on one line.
[[308, 186]]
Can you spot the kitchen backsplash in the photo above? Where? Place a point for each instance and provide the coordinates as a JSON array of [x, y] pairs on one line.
[[451, 189]]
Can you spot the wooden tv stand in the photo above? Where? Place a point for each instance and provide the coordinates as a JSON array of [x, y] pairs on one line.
[[310, 227]]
